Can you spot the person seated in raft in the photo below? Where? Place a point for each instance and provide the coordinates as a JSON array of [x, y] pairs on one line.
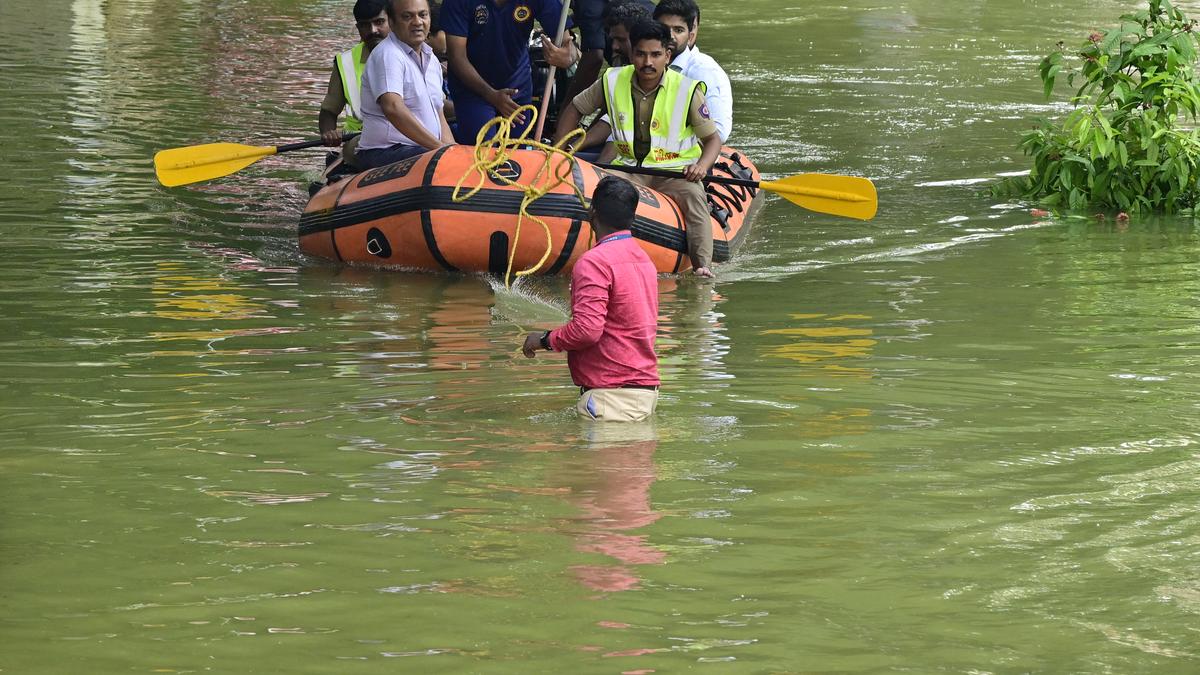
[[683, 18], [488, 45], [402, 91], [345, 82], [593, 17], [645, 101], [619, 18]]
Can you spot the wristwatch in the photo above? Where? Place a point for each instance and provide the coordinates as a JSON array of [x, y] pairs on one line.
[[545, 341]]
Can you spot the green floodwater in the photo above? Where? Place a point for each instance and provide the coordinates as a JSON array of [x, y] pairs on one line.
[[958, 438]]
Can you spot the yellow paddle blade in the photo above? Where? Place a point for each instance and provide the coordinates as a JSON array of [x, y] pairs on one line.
[[180, 166], [849, 196]]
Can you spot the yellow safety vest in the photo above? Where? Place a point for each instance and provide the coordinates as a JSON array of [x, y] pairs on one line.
[[350, 61], [673, 143]]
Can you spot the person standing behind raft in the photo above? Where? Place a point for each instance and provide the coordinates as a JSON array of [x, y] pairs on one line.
[[659, 120], [593, 19], [402, 91], [488, 45], [345, 82], [683, 18], [614, 315]]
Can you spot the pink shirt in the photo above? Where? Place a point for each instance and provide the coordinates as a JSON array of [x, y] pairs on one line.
[[614, 316]]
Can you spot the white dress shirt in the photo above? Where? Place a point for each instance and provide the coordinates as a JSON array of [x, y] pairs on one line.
[[415, 76], [697, 65]]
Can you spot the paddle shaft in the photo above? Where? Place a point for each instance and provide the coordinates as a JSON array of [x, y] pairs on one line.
[[312, 144], [301, 146], [667, 173], [816, 192], [558, 40]]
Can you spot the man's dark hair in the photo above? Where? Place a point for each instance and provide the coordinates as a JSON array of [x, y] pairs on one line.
[[435, 15], [365, 10], [650, 30], [684, 9], [625, 13], [614, 201]]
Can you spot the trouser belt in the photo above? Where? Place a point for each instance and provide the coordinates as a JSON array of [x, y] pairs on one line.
[[653, 387]]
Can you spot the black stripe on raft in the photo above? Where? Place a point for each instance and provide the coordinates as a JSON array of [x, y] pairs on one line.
[[569, 245], [332, 233], [431, 242], [498, 254], [333, 242], [432, 165], [577, 176], [427, 220]]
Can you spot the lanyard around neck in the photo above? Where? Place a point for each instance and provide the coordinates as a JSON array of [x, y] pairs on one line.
[[614, 237]]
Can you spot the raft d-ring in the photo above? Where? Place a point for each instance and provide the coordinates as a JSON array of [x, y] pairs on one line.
[[377, 244]]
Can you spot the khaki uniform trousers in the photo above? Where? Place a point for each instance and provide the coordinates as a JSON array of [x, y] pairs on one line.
[[617, 405], [693, 201]]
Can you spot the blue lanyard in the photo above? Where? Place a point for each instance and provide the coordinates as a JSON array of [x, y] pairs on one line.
[[615, 238]]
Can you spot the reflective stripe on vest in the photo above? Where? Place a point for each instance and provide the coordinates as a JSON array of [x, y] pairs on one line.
[[673, 142], [350, 61]]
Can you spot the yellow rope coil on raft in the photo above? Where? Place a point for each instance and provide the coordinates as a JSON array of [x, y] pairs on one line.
[[493, 152]]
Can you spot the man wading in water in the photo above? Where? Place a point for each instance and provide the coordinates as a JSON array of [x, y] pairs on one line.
[[614, 315]]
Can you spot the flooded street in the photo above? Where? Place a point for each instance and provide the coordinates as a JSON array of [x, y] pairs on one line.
[[956, 438]]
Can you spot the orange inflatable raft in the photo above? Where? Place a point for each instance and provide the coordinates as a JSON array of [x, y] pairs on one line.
[[405, 215]]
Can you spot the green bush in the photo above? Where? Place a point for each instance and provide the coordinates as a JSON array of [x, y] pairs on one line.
[[1122, 147]]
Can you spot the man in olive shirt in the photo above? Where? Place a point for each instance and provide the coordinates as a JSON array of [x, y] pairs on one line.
[[345, 82], [644, 105]]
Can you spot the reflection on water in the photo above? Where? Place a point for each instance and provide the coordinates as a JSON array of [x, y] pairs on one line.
[[830, 342], [615, 504]]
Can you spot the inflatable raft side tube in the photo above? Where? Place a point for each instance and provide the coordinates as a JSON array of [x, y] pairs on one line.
[[429, 199]]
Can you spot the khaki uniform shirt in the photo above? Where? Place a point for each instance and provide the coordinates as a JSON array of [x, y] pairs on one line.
[[592, 99], [335, 95]]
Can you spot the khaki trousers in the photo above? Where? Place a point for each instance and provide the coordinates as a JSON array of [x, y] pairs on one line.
[[617, 405], [694, 203]]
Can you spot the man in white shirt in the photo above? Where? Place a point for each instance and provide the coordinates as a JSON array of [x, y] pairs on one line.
[[402, 91], [682, 17]]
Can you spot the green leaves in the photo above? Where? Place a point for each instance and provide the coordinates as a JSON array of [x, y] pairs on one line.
[[1051, 65], [1121, 147]]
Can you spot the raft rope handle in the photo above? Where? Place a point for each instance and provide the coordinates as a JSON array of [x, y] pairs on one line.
[[494, 152]]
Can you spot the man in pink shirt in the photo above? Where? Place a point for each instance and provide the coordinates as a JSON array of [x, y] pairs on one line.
[[614, 315]]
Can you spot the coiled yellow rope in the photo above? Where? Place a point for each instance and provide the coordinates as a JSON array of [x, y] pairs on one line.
[[494, 152]]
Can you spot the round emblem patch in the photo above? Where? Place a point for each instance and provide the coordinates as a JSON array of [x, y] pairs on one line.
[[522, 13], [704, 111], [654, 124]]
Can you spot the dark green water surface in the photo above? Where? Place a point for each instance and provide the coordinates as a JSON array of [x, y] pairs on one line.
[[958, 438]]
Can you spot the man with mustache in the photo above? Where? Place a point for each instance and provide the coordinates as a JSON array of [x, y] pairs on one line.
[[659, 120], [402, 91], [683, 18], [345, 82]]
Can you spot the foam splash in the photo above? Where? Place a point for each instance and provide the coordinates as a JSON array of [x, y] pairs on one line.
[[525, 306]]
